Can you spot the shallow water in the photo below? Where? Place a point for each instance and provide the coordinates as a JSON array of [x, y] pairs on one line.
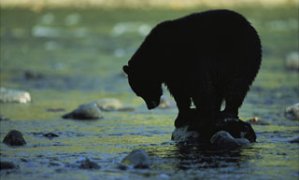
[[67, 57]]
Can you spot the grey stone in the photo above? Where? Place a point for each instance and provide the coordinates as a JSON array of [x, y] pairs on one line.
[[225, 140], [183, 135], [292, 112], [14, 138], [85, 112], [137, 159]]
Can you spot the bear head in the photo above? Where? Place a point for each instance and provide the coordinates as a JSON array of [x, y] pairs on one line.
[[144, 86]]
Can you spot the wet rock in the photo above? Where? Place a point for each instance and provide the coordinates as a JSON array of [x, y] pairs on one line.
[[14, 138], [50, 135], [7, 165], [183, 135], [85, 112], [294, 140], [236, 128], [292, 112], [138, 159], [109, 104], [223, 139], [14, 96], [31, 75], [88, 164], [292, 61]]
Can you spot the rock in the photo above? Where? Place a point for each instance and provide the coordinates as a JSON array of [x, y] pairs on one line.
[[224, 140], [31, 75], [236, 128], [109, 104], [292, 61], [294, 140], [6, 165], [138, 159], [85, 112], [14, 138], [50, 135], [183, 135], [88, 164], [292, 112], [15, 96]]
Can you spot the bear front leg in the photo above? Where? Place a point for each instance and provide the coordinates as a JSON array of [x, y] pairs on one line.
[[184, 111], [234, 97]]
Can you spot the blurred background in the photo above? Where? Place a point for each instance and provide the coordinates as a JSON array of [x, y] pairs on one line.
[[68, 52], [65, 53]]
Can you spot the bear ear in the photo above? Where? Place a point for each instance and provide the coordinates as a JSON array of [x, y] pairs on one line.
[[126, 69]]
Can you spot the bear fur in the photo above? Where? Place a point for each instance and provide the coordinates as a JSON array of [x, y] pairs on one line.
[[205, 58]]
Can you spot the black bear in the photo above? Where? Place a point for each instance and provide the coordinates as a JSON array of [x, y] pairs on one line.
[[205, 58]]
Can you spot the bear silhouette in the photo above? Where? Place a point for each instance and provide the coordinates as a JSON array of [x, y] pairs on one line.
[[205, 58]]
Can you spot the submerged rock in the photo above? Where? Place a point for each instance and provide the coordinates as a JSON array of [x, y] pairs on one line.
[[225, 140], [14, 138], [85, 112], [138, 159], [292, 61], [292, 112], [7, 165], [14, 96], [88, 164]]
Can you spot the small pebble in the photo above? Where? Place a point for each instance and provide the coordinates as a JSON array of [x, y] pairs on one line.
[[50, 135], [88, 164], [14, 138]]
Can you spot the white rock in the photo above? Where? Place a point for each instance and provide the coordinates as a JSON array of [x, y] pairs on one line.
[[16, 96]]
